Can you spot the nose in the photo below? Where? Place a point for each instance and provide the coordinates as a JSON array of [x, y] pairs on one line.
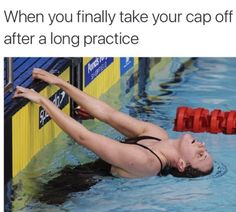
[[187, 137], [201, 145]]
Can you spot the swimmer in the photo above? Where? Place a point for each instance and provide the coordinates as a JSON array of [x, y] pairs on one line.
[[147, 151]]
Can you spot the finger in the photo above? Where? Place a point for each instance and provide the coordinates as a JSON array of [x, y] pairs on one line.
[[21, 89], [38, 70], [33, 90], [18, 91], [39, 74], [17, 95], [35, 74]]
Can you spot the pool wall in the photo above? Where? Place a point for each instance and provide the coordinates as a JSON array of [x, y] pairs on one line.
[[31, 131], [27, 127], [101, 73]]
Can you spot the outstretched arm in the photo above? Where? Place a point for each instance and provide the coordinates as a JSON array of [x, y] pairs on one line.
[[69, 125], [113, 152], [125, 124]]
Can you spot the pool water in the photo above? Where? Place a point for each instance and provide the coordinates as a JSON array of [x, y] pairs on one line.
[[201, 82]]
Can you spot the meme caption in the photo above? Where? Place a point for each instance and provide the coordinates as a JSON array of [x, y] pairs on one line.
[[102, 17]]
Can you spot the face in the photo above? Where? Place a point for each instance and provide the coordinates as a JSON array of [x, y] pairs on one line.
[[195, 153]]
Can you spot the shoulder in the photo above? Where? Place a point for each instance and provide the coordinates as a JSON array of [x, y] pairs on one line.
[[155, 131]]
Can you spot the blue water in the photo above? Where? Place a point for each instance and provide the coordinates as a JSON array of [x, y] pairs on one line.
[[202, 82]]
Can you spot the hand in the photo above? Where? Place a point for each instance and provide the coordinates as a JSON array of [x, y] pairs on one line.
[[41, 74], [29, 94]]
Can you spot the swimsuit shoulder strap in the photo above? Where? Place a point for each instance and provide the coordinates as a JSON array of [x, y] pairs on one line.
[[145, 147], [134, 140]]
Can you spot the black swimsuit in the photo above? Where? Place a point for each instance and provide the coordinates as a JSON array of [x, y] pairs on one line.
[[135, 141]]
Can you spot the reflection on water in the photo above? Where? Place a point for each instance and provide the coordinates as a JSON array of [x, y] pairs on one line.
[[201, 82], [143, 76]]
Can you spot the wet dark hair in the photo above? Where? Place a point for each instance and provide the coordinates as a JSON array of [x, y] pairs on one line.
[[72, 179], [189, 172]]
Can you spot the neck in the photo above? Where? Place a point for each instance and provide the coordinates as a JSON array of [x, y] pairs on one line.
[[170, 151]]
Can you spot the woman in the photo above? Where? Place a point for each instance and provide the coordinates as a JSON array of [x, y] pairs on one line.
[[148, 150]]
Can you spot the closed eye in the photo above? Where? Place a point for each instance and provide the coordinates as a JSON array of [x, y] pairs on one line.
[[193, 141], [201, 155]]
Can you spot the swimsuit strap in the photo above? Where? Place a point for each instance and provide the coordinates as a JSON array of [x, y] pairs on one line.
[[135, 140], [145, 147]]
